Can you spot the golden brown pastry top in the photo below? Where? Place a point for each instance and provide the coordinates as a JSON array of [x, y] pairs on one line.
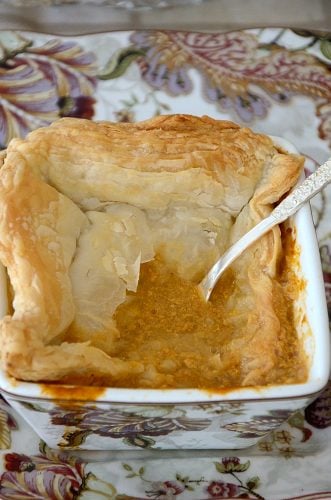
[[87, 161], [83, 204]]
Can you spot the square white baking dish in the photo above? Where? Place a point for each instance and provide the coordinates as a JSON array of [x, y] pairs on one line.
[[72, 417]]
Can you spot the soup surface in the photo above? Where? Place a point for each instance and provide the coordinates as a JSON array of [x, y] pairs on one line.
[[184, 341]]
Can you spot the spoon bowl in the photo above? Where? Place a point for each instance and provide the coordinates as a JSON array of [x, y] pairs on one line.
[[289, 206]]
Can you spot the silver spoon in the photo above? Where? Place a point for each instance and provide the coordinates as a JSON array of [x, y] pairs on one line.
[[289, 206]]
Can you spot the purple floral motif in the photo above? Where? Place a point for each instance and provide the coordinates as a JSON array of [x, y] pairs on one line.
[[171, 488], [76, 107], [326, 265], [27, 100], [239, 72], [165, 490], [324, 112], [318, 413], [219, 489], [259, 425], [231, 464], [246, 107], [28, 485], [47, 475], [223, 489], [156, 70], [134, 428], [50, 475], [40, 84], [69, 69]]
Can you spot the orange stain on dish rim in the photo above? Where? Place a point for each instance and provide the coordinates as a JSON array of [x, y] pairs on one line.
[[73, 393]]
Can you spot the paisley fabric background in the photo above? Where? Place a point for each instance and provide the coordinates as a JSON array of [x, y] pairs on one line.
[[273, 80]]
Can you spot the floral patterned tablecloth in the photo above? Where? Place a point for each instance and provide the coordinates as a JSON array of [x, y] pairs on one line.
[[275, 81]]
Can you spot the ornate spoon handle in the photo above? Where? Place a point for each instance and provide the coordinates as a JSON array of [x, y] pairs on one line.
[[303, 193], [289, 206]]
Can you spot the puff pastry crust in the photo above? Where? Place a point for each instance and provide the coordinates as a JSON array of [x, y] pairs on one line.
[[83, 204]]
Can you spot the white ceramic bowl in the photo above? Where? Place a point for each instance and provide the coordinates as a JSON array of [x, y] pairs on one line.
[[112, 418]]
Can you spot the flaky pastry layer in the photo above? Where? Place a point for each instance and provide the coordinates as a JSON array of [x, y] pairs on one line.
[[83, 204]]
